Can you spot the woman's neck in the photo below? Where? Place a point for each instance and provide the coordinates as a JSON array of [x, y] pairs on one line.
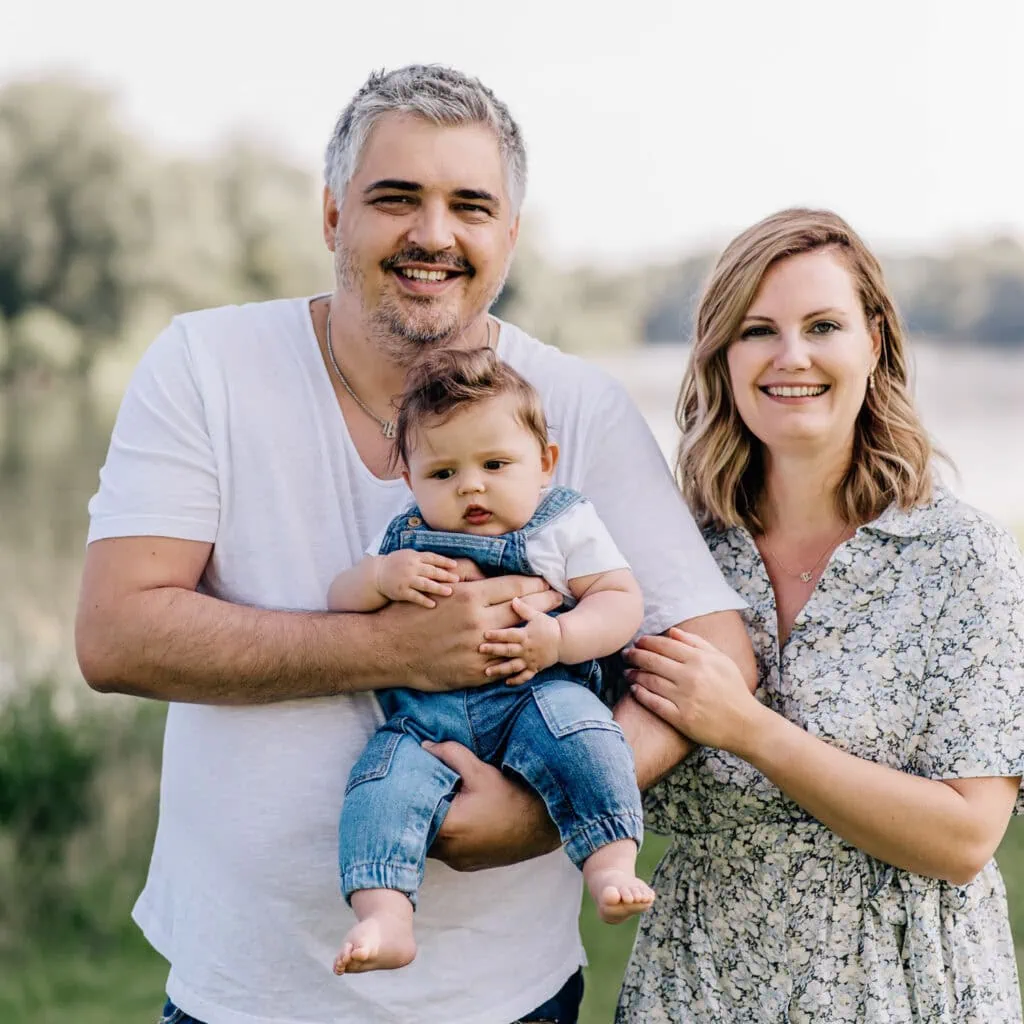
[[800, 495]]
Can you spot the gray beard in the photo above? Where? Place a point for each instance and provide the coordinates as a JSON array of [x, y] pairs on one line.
[[399, 335]]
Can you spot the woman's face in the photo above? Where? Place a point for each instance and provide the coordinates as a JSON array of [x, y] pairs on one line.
[[799, 365]]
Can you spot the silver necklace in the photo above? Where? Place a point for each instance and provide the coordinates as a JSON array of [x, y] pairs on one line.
[[808, 574], [387, 427]]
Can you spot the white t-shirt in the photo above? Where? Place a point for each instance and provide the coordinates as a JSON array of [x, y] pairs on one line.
[[230, 433], [572, 545]]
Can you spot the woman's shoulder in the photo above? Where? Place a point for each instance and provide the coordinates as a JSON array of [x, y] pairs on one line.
[[963, 535]]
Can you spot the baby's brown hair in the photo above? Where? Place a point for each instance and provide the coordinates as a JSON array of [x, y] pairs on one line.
[[450, 379]]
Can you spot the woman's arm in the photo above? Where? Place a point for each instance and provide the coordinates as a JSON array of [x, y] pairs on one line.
[[945, 829]]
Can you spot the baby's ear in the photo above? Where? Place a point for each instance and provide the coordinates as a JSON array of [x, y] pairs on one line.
[[549, 458]]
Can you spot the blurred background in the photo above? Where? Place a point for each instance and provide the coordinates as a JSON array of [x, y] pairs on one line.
[[155, 160]]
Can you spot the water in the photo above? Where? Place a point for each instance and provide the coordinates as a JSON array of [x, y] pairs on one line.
[[53, 440], [971, 401]]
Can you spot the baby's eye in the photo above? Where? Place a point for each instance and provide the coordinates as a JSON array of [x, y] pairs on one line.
[[442, 474], [493, 464]]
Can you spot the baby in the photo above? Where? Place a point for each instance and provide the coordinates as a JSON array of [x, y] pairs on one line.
[[474, 445]]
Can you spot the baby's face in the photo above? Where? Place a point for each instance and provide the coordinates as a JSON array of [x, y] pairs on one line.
[[481, 471]]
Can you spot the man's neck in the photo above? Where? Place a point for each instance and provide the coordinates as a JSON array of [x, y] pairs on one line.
[[376, 376]]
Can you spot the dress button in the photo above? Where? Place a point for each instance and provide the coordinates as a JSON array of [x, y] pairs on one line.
[[415, 521]]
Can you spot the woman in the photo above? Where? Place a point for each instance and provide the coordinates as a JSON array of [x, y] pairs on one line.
[[833, 835]]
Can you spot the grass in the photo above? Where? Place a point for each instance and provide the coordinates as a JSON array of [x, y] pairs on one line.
[[122, 980]]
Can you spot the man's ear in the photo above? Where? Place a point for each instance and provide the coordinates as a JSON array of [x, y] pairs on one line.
[[332, 214]]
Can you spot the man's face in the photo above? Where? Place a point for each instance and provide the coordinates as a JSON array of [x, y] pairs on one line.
[[424, 235]]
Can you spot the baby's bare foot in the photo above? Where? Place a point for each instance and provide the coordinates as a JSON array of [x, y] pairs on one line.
[[619, 895], [379, 943]]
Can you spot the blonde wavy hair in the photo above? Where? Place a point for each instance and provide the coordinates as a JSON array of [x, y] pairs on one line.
[[720, 464]]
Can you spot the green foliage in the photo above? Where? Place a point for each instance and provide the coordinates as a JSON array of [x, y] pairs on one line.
[[46, 767]]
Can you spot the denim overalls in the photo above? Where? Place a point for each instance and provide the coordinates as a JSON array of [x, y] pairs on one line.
[[553, 732]]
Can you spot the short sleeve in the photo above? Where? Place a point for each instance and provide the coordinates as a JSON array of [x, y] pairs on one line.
[[974, 680], [632, 489], [575, 544], [160, 475]]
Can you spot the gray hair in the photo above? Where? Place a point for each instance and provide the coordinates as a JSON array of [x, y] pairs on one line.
[[439, 94]]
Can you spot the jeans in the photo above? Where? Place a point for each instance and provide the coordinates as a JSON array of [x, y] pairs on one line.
[[562, 1008], [553, 733]]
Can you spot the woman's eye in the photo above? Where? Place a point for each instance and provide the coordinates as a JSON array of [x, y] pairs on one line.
[[824, 327], [757, 331]]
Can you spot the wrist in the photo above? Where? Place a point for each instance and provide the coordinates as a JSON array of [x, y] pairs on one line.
[[379, 561], [762, 736]]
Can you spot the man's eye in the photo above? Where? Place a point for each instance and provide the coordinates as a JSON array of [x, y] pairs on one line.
[[393, 201], [473, 208]]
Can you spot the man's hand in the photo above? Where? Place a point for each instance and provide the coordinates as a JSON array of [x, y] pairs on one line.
[[438, 649], [527, 649], [493, 821], [408, 575]]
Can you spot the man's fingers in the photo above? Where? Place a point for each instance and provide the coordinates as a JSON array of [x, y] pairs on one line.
[[543, 601], [460, 759]]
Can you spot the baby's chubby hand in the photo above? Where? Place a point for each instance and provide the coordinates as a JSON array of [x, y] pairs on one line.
[[408, 575], [525, 650]]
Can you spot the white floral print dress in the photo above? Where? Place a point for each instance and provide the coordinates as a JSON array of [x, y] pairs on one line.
[[909, 653]]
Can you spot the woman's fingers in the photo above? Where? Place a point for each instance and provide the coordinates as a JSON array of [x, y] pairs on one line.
[[691, 639], [654, 703], [654, 683], [650, 661]]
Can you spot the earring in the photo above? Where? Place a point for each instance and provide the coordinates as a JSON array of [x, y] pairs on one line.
[[871, 380]]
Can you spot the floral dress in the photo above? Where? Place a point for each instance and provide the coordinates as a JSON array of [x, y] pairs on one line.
[[909, 653]]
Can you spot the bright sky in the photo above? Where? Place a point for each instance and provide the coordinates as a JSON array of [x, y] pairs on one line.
[[652, 128]]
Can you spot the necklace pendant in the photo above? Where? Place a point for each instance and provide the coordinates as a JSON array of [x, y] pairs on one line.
[[387, 428], [806, 577]]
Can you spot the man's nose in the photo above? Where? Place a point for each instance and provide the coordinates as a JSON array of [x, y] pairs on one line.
[[432, 228]]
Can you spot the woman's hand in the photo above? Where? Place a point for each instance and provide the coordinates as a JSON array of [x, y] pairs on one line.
[[694, 687]]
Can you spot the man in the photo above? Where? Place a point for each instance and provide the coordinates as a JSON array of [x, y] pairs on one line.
[[250, 463]]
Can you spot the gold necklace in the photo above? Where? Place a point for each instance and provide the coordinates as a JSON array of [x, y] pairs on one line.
[[387, 427], [807, 574]]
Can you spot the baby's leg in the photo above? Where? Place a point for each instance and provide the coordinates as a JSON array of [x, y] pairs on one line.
[[383, 938], [566, 746], [397, 798], [610, 874]]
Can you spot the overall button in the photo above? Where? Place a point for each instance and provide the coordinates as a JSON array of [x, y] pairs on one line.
[[414, 521]]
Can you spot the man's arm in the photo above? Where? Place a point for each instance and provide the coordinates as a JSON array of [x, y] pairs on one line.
[[143, 629]]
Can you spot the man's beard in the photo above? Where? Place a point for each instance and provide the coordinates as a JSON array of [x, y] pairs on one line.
[[403, 330]]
